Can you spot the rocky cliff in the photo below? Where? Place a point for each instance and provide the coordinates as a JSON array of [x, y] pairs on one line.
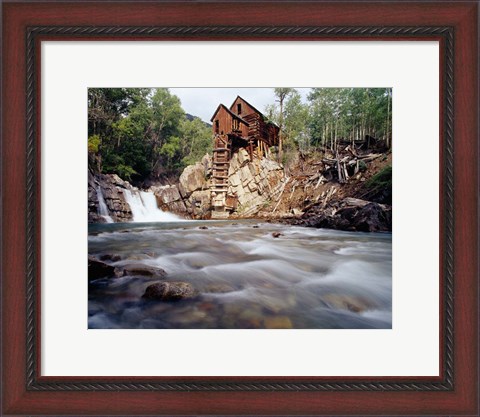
[[111, 189], [256, 183]]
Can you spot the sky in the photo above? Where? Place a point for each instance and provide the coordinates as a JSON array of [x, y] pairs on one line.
[[203, 102]]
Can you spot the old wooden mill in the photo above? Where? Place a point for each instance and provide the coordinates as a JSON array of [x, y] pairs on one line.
[[240, 126]]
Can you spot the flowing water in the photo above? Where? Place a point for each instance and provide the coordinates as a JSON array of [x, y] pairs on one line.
[[246, 278], [144, 207], [102, 206]]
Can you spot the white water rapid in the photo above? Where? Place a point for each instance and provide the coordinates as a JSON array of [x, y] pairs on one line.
[[102, 206], [144, 208]]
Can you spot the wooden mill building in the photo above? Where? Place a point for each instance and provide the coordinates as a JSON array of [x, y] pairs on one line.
[[239, 126]]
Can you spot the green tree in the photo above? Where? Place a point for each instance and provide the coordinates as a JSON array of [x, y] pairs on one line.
[[292, 117], [196, 139], [349, 114], [142, 134], [295, 120], [167, 115], [281, 94], [106, 106]]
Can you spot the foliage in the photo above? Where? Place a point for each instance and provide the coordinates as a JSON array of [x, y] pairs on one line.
[[349, 114], [330, 115], [379, 187], [291, 116], [196, 140], [93, 143], [143, 134], [381, 179]]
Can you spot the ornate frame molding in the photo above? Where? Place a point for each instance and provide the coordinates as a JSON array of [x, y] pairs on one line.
[[178, 32]]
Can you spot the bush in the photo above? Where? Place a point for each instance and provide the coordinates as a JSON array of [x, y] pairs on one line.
[[379, 187]]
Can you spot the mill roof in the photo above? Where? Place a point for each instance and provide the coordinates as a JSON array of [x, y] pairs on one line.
[[229, 111]]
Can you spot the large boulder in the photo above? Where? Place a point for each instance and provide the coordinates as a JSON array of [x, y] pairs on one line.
[[170, 291], [98, 269], [200, 204], [169, 199], [373, 218], [207, 163], [192, 179]]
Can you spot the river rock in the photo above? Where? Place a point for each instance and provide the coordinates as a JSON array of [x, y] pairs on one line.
[[110, 257], [143, 270], [278, 322], [170, 291], [346, 302], [98, 269]]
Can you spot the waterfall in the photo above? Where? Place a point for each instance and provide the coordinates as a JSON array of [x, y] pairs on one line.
[[102, 206], [144, 207]]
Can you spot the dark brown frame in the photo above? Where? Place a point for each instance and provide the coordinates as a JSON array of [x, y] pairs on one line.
[[453, 24]]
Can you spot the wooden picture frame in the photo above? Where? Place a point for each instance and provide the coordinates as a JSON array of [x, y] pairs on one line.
[[453, 24]]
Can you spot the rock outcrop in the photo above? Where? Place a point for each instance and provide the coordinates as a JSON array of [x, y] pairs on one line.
[[114, 193], [169, 199], [256, 183], [112, 188], [194, 188], [350, 214], [93, 210]]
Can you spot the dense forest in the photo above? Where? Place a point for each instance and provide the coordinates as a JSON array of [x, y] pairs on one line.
[[144, 134]]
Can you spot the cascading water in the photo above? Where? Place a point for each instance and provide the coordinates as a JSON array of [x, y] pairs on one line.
[[102, 206], [144, 208]]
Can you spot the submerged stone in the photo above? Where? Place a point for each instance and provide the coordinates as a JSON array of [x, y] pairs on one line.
[[98, 269], [143, 270], [170, 291], [219, 288], [279, 322]]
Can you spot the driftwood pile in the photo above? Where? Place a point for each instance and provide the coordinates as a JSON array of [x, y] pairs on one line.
[[346, 166]]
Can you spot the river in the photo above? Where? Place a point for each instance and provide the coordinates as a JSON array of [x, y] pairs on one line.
[[305, 279]]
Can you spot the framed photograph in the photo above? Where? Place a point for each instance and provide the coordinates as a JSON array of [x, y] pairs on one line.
[[240, 208]]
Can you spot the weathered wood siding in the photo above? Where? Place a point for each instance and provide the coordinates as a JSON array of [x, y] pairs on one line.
[[224, 123], [246, 108], [259, 129]]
